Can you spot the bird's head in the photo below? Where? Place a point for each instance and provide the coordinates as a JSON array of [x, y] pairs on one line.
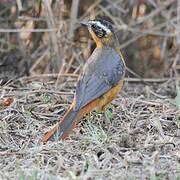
[[101, 31]]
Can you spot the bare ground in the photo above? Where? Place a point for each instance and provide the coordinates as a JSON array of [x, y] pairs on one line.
[[141, 140]]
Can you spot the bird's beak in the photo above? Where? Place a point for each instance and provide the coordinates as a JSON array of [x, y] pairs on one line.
[[84, 23]]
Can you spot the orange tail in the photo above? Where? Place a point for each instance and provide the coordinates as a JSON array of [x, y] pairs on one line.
[[64, 127]]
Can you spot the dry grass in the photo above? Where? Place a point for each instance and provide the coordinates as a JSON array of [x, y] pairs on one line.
[[141, 141], [142, 138]]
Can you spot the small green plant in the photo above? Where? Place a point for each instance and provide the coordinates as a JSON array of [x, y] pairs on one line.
[[57, 133], [177, 121], [28, 114], [108, 115], [20, 172], [71, 174], [4, 125], [58, 145], [178, 170], [45, 98], [22, 176], [34, 175], [97, 134]]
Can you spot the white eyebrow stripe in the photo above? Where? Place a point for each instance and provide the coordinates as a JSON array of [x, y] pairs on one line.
[[102, 26]]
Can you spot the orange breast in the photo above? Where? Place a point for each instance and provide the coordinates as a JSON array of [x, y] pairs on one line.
[[109, 96]]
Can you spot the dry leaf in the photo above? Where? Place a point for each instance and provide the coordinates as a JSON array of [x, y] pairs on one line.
[[7, 102]]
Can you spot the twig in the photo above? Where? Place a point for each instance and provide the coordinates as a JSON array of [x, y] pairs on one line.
[[74, 11], [153, 13], [89, 9], [19, 4], [177, 59], [153, 80], [27, 30], [54, 48], [38, 61], [178, 23]]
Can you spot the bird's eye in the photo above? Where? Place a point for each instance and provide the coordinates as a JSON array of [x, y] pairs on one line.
[[98, 29], [94, 26]]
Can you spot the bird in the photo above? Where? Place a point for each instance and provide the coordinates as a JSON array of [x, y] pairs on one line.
[[99, 83]]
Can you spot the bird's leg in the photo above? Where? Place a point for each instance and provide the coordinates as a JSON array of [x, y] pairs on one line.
[[89, 117], [104, 102]]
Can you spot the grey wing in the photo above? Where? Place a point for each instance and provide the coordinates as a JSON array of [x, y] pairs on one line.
[[88, 89], [118, 71], [92, 86], [113, 68]]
